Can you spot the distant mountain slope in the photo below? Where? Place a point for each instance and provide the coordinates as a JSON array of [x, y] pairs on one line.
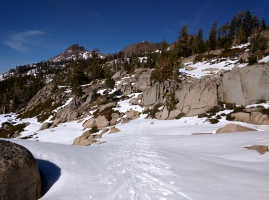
[[142, 47], [72, 52]]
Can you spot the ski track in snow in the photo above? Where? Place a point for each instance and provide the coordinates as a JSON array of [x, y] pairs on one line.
[[137, 171]]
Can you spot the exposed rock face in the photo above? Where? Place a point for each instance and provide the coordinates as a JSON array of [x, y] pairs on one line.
[[89, 123], [134, 101], [241, 86], [119, 74], [143, 79], [190, 68], [113, 122], [115, 115], [197, 96], [260, 148], [231, 128], [101, 122], [174, 114], [103, 107], [77, 108], [40, 97], [152, 95], [139, 47], [252, 117], [246, 85], [85, 139], [19, 173], [194, 97], [163, 114], [45, 125], [114, 130], [190, 59], [126, 89], [132, 114], [140, 81]]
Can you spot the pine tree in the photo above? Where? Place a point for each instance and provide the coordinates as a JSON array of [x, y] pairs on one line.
[[247, 25], [241, 36], [192, 43], [263, 25], [163, 46], [255, 23], [223, 37], [233, 30], [200, 42], [258, 44], [183, 47], [212, 39]]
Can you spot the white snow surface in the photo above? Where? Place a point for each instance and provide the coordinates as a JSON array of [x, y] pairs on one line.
[[241, 46], [204, 68], [152, 159], [264, 60]]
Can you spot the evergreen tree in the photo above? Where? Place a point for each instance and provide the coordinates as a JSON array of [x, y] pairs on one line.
[[232, 30], [163, 46], [109, 81], [241, 36], [192, 43], [212, 39], [247, 24], [255, 23], [258, 44], [223, 37], [183, 47], [200, 42], [263, 25]]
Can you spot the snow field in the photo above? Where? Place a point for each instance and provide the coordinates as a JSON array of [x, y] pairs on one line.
[[159, 160]]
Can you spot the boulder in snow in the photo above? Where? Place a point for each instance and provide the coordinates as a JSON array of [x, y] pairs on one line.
[[231, 128], [114, 130], [19, 173], [85, 139], [45, 125], [260, 148]]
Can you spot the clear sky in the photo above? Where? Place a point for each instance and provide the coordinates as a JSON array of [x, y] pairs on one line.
[[36, 30]]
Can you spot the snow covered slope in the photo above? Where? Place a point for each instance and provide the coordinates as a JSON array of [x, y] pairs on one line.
[[151, 159]]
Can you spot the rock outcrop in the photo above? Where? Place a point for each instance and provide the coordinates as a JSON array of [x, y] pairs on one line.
[[262, 149], [142, 79], [78, 107], [152, 95], [231, 128], [19, 173], [45, 125], [114, 130], [85, 139], [132, 114], [252, 117], [246, 85], [41, 96], [101, 121], [193, 97], [197, 96], [119, 74]]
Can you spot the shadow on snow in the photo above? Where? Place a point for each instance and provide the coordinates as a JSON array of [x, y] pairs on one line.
[[49, 173]]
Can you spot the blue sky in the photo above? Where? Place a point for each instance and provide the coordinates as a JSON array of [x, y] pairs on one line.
[[35, 30]]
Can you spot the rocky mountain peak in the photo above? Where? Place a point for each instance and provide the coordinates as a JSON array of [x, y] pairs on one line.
[[76, 48], [72, 52]]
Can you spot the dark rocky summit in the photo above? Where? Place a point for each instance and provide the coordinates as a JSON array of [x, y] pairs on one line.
[[19, 174]]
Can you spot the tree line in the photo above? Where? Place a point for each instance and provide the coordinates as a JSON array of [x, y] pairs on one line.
[[241, 29]]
